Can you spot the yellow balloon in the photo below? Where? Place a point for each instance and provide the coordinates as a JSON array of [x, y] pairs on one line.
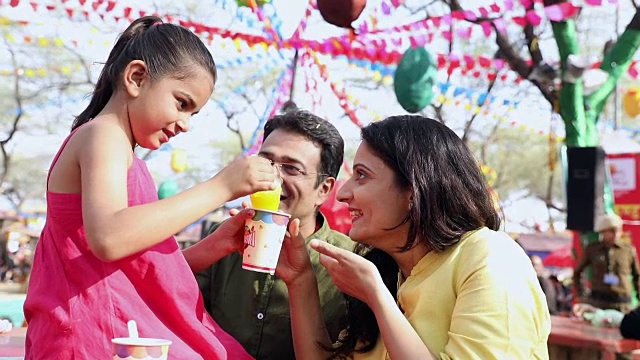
[[631, 102], [178, 160]]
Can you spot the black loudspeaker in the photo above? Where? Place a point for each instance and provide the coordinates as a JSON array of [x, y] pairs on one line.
[[585, 187]]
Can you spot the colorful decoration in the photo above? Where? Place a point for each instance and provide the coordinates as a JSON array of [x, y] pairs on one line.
[[631, 102], [247, 3], [168, 188], [414, 79], [341, 13], [378, 49], [178, 160]]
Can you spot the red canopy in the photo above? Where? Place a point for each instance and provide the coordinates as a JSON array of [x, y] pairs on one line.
[[562, 257]]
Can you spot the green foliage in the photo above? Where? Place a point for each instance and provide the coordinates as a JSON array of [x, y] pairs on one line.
[[521, 161]]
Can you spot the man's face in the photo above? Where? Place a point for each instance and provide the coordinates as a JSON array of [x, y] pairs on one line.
[[609, 236], [300, 196]]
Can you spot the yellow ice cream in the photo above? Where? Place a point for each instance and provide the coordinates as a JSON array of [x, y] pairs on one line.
[[267, 200]]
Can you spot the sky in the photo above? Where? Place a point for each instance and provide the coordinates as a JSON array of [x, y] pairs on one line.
[[97, 36]]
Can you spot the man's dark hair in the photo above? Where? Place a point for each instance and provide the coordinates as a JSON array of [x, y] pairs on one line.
[[319, 131]]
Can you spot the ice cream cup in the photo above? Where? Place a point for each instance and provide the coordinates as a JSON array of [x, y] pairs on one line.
[[263, 236], [137, 348]]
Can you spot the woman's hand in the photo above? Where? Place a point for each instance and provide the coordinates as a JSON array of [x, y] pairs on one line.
[[294, 259], [351, 273]]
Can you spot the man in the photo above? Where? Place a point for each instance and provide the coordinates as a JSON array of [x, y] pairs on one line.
[[612, 262], [254, 307]]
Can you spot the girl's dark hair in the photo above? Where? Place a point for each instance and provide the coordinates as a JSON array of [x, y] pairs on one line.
[[166, 49], [449, 198]]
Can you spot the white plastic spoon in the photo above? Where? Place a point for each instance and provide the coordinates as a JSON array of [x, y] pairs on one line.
[[133, 329]]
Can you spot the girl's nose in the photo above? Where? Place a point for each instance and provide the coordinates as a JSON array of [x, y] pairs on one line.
[[182, 126]]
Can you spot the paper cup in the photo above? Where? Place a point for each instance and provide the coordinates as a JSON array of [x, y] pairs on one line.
[[140, 349], [263, 236]]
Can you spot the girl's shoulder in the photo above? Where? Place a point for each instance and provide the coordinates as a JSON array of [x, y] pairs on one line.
[[100, 140], [98, 132]]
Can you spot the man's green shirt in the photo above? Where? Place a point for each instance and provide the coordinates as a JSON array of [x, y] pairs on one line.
[[253, 307]]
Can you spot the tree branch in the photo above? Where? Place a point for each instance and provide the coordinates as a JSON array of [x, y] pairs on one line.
[[469, 123], [616, 62], [513, 58]]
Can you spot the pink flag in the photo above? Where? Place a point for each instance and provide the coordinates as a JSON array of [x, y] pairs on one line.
[[534, 18]]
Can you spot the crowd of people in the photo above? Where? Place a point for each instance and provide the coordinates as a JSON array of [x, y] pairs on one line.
[[15, 258], [558, 291], [424, 273]]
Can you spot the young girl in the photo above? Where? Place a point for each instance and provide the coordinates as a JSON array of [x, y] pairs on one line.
[[107, 254]]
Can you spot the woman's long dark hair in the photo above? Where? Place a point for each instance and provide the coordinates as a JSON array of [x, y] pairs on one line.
[[166, 49], [449, 198]]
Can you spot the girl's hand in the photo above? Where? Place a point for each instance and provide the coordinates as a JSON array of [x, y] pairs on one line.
[[352, 274], [247, 175], [294, 258]]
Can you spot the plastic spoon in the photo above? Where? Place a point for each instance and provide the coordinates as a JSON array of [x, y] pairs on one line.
[[133, 329]]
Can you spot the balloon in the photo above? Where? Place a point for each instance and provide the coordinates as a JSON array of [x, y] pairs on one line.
[[178, 160], [341, 12], [336, 212], [414, 79], [631, 102], [168, 188]]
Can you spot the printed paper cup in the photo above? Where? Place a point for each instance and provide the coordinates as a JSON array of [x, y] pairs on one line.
[[263, 236], [140, 349]]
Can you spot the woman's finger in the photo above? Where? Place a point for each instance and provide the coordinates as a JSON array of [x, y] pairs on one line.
[[327, 249], [328, 262]]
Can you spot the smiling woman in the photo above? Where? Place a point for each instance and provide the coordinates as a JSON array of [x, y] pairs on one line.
[[436, 278]]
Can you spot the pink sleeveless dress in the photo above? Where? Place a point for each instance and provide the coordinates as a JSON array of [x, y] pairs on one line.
[[77, 303]]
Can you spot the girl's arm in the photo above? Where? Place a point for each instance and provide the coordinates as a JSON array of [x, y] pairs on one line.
[[113, 229], [360, 278]]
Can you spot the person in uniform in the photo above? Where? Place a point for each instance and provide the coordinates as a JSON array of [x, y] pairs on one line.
[[613, 263]]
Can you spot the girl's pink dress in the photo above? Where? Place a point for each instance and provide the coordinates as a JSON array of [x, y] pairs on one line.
[[76, 303]]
